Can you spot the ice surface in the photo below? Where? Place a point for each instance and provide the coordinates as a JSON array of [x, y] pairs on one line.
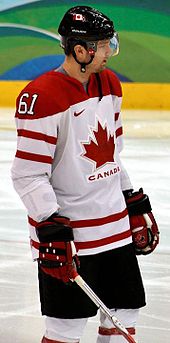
[[147, 159]]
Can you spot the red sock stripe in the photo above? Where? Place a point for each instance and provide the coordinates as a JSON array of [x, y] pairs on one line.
[[47, 340], [113, 331]]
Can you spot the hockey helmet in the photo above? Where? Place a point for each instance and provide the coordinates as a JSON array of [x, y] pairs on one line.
[[85, 25]]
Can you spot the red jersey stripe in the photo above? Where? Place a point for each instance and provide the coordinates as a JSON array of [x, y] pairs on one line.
[[99, 221], [119, 131], [117, 116], [34, 244], [95, 243], [103, 241], [32, 222], [33, 157], [37, 135], [91, 222]]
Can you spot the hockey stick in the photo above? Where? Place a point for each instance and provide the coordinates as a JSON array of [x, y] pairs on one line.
[[84, 286]]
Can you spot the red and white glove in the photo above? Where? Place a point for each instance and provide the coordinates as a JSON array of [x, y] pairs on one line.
[[57, 252], [145, 233]]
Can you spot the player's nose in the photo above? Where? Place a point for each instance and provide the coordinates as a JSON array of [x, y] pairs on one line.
[[108, 51]]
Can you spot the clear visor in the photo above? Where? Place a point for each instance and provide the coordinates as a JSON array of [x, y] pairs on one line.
[[105, 46], [114, 44]]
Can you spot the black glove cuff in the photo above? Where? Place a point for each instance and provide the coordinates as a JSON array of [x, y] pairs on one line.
[[138, 203], [52, 231], [127, 193]]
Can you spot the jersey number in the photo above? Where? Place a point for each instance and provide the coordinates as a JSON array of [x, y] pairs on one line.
[[23, 108]]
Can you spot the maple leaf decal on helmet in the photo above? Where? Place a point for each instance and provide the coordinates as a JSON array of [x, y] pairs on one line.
[[101, 151]]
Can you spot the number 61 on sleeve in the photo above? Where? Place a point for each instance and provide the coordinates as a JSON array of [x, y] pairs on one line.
[[23, 107]]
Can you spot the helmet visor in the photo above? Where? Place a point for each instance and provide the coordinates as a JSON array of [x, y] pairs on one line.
[[114, 44], [105, 47]]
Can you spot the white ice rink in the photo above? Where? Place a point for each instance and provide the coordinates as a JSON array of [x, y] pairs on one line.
[[147, 159]]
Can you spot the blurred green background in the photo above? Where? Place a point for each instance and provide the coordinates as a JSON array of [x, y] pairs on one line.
[[28, 47]]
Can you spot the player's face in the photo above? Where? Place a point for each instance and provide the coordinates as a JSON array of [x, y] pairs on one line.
[[101, 56]]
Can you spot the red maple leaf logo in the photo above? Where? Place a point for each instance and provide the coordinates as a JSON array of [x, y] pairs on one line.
[[101, 151]]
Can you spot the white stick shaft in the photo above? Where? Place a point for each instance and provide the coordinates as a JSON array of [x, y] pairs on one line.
[[85, 287]]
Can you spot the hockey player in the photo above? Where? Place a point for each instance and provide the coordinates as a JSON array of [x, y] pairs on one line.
[[78, 195]]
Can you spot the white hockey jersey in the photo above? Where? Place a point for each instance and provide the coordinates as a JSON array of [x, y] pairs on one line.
[[67, 159]]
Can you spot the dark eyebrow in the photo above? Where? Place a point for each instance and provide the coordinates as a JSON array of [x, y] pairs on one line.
[[104, 41]]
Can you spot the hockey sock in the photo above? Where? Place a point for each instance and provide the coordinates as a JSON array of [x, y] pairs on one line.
[[109, 334]]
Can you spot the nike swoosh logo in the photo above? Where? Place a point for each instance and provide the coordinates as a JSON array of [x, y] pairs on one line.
[[76, 114]]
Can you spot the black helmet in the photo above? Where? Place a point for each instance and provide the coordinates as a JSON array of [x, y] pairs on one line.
[[87, 23]]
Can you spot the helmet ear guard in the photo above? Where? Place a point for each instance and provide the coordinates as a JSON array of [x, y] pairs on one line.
[[68, 45], [91, 47]]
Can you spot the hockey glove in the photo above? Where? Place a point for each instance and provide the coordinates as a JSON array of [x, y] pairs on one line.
[[57, 252], [144, 229]]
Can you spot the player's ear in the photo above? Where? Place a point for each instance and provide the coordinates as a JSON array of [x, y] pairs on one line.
[[80, 52]]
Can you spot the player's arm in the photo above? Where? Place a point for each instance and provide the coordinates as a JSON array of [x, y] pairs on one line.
[[124, 177], [116, 91], [143, 226], [36, 144]]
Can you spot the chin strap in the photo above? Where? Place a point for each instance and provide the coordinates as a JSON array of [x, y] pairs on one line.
[[83, 65]]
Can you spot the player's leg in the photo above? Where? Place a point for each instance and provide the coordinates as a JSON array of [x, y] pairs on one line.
[[108, 334], [66, 307], [121, 287], [64, 330]]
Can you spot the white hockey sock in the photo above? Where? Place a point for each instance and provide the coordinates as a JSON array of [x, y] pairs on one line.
[[107, 332], [64, 330]]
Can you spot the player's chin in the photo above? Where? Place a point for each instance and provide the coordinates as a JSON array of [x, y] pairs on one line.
[[101, 67]]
